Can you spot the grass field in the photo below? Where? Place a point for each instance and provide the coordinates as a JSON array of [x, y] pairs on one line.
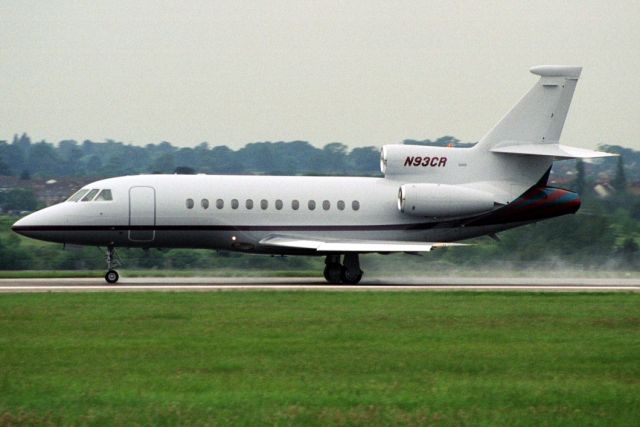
[[320, 358]]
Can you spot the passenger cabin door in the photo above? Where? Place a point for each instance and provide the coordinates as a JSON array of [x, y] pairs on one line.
[[142, 214]]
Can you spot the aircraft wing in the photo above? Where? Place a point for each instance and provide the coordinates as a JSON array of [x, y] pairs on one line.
[[335, 245]]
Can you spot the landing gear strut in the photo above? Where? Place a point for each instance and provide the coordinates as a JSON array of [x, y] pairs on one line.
[[348, 272], [112, 275]]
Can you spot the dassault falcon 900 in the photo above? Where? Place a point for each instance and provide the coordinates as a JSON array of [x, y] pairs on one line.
[[429, 197]]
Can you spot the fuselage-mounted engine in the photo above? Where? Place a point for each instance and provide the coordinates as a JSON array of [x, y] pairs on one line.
[[442, 200], [421, 170]]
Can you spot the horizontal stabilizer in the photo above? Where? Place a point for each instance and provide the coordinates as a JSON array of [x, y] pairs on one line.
[[558, 151], [352, 245], [569, 71]]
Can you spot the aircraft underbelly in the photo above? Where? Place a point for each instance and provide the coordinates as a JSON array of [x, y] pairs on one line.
[[248, 241]]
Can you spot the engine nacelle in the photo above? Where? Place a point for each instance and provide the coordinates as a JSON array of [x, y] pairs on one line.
[[442, 200]]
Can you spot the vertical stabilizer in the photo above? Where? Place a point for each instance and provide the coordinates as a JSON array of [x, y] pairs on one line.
[[539, 116]]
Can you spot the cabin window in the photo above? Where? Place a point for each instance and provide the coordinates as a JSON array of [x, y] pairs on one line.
[[295, 205], [311, 205], [279, 204], [104, 196], [219, 203], [204, 203], [90, 195], [340, 205], [189, 203], [326, 205], [77, 195], [235, 204], [264, 204], [249, 204], [355, 205]]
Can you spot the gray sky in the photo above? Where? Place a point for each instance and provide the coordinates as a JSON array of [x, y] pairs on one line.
[[359, 72]]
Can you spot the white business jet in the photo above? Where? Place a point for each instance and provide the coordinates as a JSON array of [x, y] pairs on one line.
[[429, 197]]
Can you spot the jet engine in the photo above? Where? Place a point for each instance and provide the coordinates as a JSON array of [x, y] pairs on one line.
[[442, 200]]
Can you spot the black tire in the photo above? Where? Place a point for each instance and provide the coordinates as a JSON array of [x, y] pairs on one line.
[[112, 276], [350, 277], [333, 273]]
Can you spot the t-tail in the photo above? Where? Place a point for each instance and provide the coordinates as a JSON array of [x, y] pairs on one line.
[[509, 164], [538, 118], [533, 126]]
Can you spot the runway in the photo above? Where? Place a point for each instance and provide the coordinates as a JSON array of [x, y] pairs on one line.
[[410, 284]]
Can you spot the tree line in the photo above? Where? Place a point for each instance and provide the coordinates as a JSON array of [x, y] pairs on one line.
[[24, 158]]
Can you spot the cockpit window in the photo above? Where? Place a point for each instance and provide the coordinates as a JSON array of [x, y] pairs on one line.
[[105, 195], [77, 195], [90, 195]]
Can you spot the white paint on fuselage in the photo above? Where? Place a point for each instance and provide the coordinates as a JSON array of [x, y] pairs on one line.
[[376, 197], [231, 228]]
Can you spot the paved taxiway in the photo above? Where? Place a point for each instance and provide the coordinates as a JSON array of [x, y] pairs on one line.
[[211, 284]]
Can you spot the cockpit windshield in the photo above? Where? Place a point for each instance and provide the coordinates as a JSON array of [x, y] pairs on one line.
[[90, 195], [105, 195], [87, 195], [78, 195]]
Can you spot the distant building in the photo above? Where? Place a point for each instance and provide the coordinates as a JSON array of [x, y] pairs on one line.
[[603, 189]]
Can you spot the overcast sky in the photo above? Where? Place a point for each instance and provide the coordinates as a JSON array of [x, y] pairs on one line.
[[358, 72]]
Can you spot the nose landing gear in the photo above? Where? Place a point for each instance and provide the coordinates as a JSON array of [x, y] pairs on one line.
[[112, 276], [113, 261], [348, 272]]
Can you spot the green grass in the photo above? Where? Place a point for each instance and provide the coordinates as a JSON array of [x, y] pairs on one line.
[[320, 358]]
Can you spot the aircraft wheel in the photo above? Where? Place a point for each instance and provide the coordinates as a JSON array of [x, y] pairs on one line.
[[350, 277], [112, 276], [333, 273]]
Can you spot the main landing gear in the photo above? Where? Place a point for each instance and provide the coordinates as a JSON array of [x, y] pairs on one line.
[[112, 275], [348, 272]]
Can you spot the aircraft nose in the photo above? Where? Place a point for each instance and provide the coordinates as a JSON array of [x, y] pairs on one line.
[[41, 224], [24, 225]]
